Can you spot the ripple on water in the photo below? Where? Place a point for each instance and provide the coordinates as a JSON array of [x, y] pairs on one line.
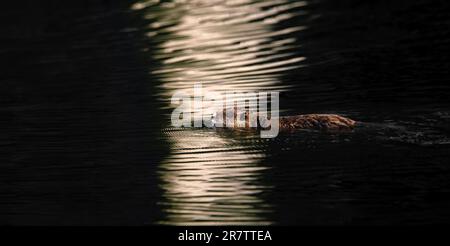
[[210, 177]]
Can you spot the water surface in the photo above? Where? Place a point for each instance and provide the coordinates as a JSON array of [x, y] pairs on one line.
[[87, 139]]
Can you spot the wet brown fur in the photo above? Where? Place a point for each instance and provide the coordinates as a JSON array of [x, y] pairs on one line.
[[317, 122], [331, 122]]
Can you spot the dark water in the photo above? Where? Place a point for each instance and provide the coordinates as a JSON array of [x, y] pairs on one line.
[[85, 105]]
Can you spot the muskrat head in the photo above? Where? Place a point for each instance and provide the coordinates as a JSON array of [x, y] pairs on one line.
[[231, 118]]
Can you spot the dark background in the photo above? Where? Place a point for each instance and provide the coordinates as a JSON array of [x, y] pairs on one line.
[[80, 138]]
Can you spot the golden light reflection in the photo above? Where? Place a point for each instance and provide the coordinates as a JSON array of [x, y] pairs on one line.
[[227, 46], [209, 179]]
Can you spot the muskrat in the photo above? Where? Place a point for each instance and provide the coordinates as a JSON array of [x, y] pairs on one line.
[[331, 122]]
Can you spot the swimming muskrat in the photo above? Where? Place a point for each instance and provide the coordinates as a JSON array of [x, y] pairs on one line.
[[331, 122]]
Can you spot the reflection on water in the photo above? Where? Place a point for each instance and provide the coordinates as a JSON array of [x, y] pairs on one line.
[[251, 45], [226, 46], [209, 179], [86, 94]]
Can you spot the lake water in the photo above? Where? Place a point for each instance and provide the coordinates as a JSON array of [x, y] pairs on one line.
[[86, 135]]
